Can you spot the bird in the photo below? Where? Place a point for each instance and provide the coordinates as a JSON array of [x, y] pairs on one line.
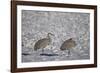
[[42, 43], [67, 45]]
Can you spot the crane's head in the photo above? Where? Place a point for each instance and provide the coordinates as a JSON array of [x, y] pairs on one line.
[[50, 34]]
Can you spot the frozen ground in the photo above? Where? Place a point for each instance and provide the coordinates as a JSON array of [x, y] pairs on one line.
[[64, 25]]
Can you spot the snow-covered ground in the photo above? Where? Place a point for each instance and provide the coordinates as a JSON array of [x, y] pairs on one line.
[[64, 25]]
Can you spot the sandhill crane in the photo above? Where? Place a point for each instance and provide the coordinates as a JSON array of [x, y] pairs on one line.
[[42, 43], [67, 45]]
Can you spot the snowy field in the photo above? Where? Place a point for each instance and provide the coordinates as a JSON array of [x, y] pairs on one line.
[[64, 25]]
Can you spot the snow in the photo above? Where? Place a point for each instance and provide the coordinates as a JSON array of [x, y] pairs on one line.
[[64, 25]]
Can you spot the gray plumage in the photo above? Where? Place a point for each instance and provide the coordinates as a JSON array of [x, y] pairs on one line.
[[67, 45], [42, 43]]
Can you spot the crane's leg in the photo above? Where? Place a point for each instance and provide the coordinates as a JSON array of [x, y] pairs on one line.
[[63, 53], [42, 50], [69, 53], [51, 49]]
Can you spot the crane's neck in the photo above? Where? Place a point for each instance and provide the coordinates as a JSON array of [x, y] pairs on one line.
[[49, 38]]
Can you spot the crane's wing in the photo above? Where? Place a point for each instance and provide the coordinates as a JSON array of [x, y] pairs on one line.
[[68, 44], [42, 43]]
